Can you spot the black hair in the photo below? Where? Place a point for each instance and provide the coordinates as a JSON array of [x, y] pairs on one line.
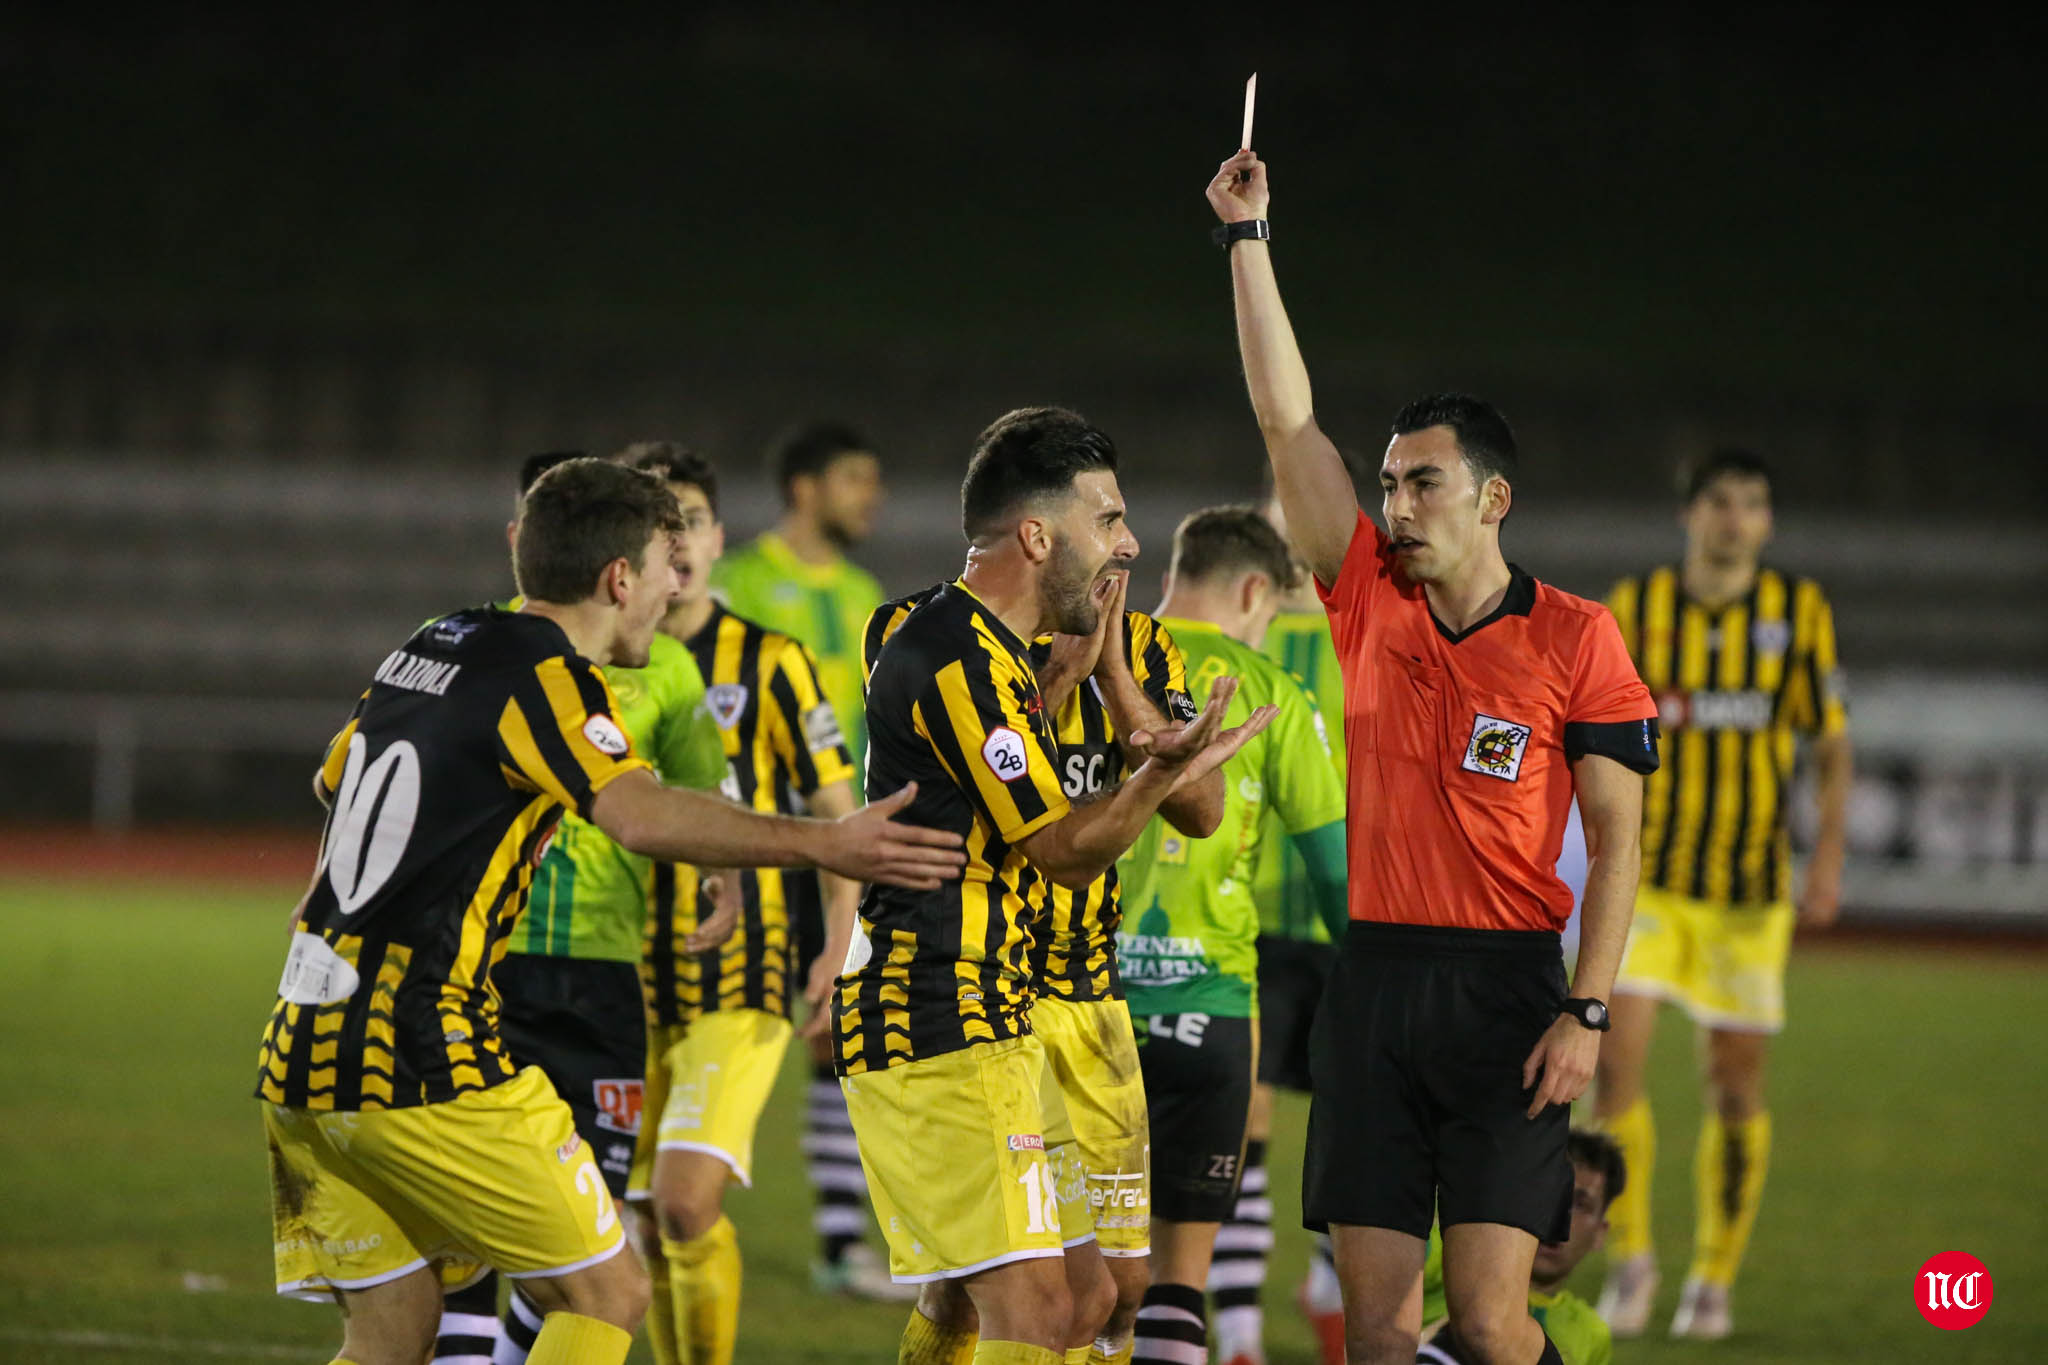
[[1023, 456], [533, 466], [1603, 1154], [674, 462], [810, 448], [1745, 464], [1217, 539], [579, 517], [1483, 435]]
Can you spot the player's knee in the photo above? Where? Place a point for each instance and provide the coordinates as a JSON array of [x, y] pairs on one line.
[[1735, 1082], [1490, 1334], [614, 1291], [686, 1214], [946, 1303], [1132, 1276], [1383, 1342], [1095, 1301]]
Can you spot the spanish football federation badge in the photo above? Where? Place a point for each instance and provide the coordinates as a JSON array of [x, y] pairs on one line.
[[1496, 747]]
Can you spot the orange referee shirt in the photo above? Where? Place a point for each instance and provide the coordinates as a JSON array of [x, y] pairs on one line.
[[1460, 744]]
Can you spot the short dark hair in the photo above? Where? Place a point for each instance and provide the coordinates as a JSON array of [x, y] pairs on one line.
[[1695, 476], [674, 462], [810, 448], [1601, 1153], [1235, 538], [1483, 435], [1025, 455], [580, 516], [533, 466]]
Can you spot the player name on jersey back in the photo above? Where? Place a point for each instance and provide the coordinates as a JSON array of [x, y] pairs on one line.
[[415, 674]]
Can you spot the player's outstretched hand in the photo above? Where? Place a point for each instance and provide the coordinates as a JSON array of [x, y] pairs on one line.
[[1563, 1060], [726, 903], [868, 846], [1239, 193], [1196, 749]]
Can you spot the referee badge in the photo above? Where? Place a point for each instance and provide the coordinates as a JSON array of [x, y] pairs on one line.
[[1496, 747]]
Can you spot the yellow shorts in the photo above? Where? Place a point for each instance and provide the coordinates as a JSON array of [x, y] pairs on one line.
[[1093, 1055], [494, 1179], [707, 1083], [958, 1163], [1724, 964]]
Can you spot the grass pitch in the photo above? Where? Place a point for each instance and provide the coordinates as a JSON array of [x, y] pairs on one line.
[[1909, 1098]]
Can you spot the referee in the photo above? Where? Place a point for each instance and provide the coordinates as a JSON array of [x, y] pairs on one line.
[[1477, 703]]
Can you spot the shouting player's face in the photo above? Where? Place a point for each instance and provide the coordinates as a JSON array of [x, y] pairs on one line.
[[1438, 516], [1555, 1261], [1090, 541], [698, 545], [643, 599], [1729, 523]]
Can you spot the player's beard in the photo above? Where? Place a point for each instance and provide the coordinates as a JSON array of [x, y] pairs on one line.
[[1067, 600]]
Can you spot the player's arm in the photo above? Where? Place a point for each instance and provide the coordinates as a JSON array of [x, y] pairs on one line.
[[1080, 847], [1826, 715], [1309, 475], [1195, 805]]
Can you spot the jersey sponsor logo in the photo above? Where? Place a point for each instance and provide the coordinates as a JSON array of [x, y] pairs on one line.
[[1027, 1142], [1085, 773], [1496, 747], [451, 632], [415, 674], [618, 1105], [1180, 706], [821, 727], [1748, 709], [314, 974], [568, 1150], [728, 702], [604, 733], [1004, 753], [1186, 1029], [1770, 637]]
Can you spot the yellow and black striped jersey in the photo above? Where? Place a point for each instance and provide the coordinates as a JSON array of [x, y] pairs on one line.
[[1074, 958], [1735, 686], [782, 743], [954, 706], [446, 784]]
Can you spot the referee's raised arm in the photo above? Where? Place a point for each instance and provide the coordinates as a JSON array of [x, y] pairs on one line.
[[1314, 487]]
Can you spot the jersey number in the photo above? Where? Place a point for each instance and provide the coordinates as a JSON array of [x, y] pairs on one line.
[[588, 1181], [1041, 1198], [373, 818]]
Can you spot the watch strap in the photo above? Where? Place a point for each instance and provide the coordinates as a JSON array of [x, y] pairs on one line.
[[1247, 230]]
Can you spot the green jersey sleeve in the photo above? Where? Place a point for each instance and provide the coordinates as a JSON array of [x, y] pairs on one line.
[[687, 748]]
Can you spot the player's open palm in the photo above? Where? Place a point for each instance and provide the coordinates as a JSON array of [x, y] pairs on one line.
[[722, 889], [1200, 747], [1238, 193], [870, 846]]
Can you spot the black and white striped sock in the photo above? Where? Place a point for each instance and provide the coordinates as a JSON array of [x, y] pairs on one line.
[[1237, 1273], [521, 1330], [833, 1158], [1172, 1328], [469, 1325]]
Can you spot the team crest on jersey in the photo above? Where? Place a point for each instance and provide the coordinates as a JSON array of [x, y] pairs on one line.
[[602, 731], [821, 728], [618, 1105], [1771, 637], [728, 702], [1004, 753], [1496, 747]]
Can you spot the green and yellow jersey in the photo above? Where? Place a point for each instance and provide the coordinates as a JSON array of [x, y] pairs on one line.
[[1580, 1334], [1073, 956], [1192, 947], [826, 606], [1735, 687], [1299, 641], [591, 897], [779, 743]]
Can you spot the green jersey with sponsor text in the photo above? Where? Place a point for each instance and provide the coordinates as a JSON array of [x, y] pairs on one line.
[[823, 606], [1191, 922], [590, 896]]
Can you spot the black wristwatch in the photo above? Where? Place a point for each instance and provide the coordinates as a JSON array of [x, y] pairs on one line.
[[1591, 1013], [1246, 230]]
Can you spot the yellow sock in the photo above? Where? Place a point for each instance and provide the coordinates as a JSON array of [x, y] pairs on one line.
[[661, 1311], [1015, 1353], [1078, 1355], [1120, 1356], [1728, 1181], [704, 1284], [927, 1343], [1628, 1218], [570, 1339]]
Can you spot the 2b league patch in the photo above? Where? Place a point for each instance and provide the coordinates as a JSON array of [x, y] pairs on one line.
[[1496, 747]]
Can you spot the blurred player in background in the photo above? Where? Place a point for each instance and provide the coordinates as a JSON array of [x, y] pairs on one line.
[[407, 1148], [1127, 675], [569, 983], [1599, 1176], [719, 1020], [1741, 660], [1295, 956], [797, 581], [1189, 949], [945, 1079]]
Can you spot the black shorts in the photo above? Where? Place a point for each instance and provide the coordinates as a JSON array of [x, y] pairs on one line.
[[1198, 1089], [1292, 974], [1419, 1109], [583, 1024]]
